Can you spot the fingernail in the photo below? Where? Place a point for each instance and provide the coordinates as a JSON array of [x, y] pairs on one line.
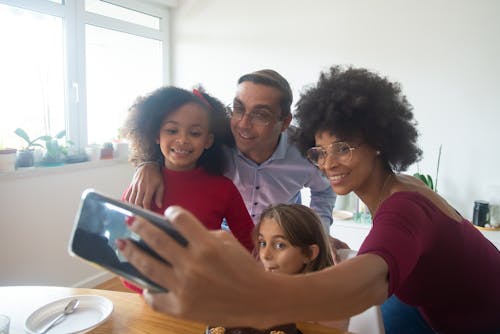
[[120, 243], [130, 220], [169, 212]]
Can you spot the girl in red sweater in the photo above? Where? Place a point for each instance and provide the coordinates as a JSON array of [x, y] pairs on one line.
[[184, 131]]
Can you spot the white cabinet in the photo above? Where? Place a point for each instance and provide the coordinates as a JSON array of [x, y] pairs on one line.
[[493, 236], [350, 232], [354, 233]]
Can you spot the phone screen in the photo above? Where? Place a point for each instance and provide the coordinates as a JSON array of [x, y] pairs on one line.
[[99, 223]]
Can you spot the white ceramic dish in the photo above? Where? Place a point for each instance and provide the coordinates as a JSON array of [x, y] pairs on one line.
[[342, 214], [91, 312]]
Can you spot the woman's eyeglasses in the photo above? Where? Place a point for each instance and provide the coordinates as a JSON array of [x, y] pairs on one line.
[[340, 151]]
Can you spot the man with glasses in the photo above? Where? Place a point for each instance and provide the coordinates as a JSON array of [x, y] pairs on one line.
[[265, 166]]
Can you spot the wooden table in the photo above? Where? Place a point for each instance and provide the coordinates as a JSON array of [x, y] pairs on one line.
[[130, 315]]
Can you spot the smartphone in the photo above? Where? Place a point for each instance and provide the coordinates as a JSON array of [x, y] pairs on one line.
[[100, 221]]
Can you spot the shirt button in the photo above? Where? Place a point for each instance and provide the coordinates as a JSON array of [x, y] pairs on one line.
[[253, 215], [257, 187], [255, 203]]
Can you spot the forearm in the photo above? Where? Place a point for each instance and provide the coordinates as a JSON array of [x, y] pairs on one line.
[[332, 294]]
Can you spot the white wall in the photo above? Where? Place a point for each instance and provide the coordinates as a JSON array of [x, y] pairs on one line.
[[445, 53], [37, 210]]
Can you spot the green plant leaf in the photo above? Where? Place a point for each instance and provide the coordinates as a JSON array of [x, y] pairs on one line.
[[44, 138], [429, 182], [427, 179], [61, 134], [421, 177], [21, 133]]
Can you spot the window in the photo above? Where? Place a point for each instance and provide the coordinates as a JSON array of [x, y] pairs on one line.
[[31, 63], [77, 65], [137, 72]]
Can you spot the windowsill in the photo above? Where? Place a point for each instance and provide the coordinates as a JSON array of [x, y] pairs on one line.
[[39, 171]]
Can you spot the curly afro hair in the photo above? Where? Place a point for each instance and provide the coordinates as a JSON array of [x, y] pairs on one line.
[[145, 118], [356, 103]]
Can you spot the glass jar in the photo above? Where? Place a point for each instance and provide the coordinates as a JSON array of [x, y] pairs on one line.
[[481, 214]]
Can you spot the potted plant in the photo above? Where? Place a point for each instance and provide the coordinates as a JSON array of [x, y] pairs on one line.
[[427, 179], [25, 156], [55, 150], [107, 151]]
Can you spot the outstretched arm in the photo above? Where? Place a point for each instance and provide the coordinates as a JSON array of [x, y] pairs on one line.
[[240, 293], [146, 186]]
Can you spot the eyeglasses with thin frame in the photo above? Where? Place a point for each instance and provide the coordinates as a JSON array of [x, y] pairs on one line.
[[340, 151], [257, 117]]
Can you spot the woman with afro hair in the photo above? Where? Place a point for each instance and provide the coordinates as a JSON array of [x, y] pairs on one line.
[[358, 128]]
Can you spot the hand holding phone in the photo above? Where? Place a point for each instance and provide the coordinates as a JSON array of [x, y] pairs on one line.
[[100, 221]]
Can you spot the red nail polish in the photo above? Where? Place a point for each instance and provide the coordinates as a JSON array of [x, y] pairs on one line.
[[130, 220], [120, 243]]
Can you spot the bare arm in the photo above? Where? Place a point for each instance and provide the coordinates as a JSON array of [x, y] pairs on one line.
[[147, 184], [241, 293]]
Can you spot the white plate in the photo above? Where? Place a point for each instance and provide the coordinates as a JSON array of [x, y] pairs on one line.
[[341, 214], [91, 312]]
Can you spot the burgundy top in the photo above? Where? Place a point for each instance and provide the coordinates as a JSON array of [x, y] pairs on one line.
[[448, 269]]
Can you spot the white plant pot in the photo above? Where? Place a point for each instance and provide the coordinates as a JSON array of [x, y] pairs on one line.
[[121, 151], [7, 160]]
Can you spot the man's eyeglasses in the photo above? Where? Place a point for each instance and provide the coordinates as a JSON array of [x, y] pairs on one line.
[[340, 151], [256, 117]]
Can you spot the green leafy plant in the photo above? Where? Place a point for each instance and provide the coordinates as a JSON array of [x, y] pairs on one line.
[[30, 143], [56, 148], [426, 178]]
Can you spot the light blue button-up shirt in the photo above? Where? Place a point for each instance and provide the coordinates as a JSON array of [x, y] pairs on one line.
[[279, 179]]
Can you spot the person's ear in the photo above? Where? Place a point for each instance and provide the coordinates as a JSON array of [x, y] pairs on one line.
[[286, 122], [210, 141], [313, 253]]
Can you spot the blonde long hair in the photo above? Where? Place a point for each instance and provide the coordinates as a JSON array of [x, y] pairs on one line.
[[302, 228]]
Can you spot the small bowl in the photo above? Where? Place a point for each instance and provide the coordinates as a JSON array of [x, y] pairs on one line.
[[287, 329]]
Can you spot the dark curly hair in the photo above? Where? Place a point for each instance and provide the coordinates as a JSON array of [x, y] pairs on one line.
[[145, 117], [354, 102]]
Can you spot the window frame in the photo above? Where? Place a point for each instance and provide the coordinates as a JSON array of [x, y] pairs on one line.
[[75, 18]]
